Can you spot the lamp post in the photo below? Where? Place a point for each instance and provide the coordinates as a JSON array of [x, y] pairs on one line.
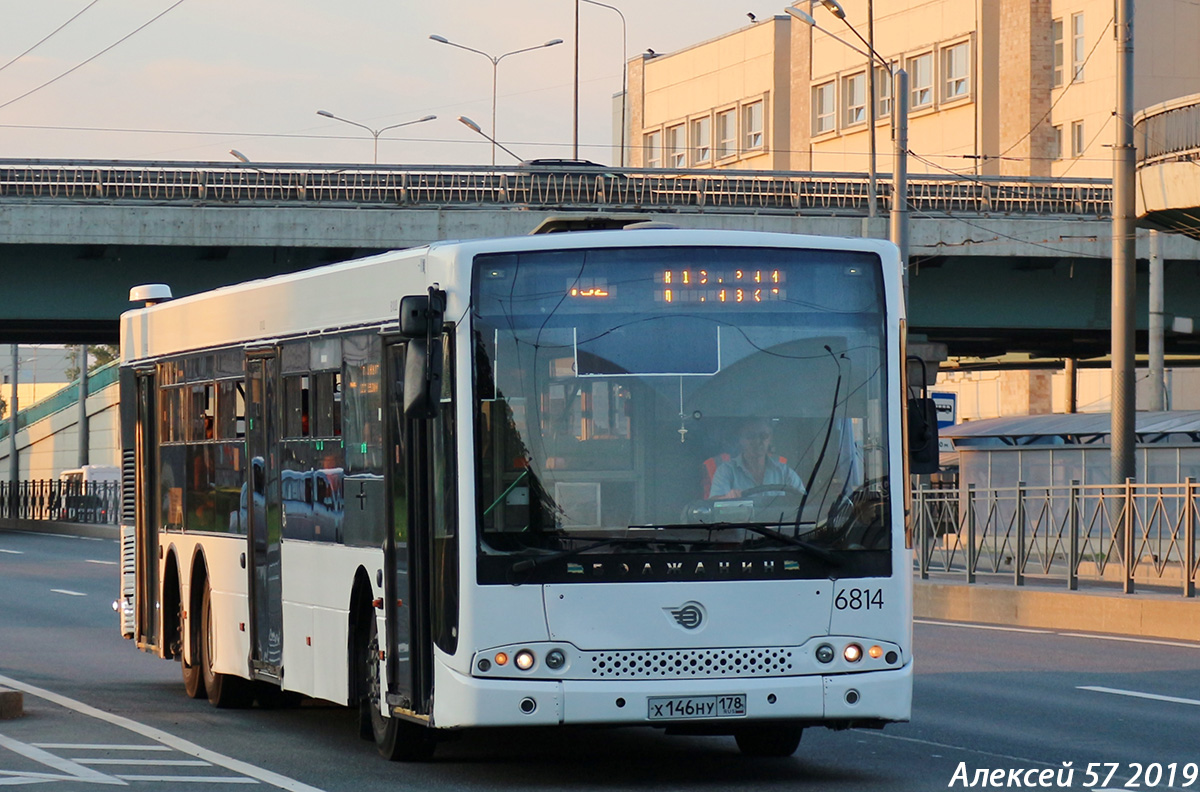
[[375, 133], [239, 156], [495, 59], [624, 81], [898, 226], [475, 127]]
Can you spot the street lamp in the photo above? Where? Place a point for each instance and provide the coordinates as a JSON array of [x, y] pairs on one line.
[[495, 59], [899, 212], [475, 127], [624, 81], [239, 156], [375, 133]]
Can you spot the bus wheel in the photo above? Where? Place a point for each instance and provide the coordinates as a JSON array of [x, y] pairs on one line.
[[224, 691], [397, 740], [193, 677], [770, 740]]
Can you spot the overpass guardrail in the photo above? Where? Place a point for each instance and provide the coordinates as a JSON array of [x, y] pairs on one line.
[[1126, 536], [568, 187]]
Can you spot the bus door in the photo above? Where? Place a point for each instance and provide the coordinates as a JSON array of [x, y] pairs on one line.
[[421, 554], [148, 513], [263, 512]]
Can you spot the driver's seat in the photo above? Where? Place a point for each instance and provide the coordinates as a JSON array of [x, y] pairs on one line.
[[709, 469]]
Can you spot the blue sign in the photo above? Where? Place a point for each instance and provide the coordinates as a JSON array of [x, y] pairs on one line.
[[947, 408]]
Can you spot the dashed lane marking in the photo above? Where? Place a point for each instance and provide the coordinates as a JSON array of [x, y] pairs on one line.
[[69, 593], [1139, 694]]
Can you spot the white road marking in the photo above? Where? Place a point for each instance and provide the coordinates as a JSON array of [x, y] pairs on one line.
[[984, 627], [165, 738], [106, 563], [1155, 641], [69, 593], [144, 762], [1139, 694], [12, 552], [191, 779], [70, 770], [100, 747]]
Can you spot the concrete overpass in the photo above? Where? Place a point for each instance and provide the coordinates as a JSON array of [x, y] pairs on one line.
[[998, 264]]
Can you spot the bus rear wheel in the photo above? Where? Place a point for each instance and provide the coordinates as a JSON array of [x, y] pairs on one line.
[[193, 677], [769, 741], [224, 690], [396, 740]]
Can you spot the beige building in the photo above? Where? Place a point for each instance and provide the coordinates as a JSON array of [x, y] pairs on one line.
[[1013, 87]]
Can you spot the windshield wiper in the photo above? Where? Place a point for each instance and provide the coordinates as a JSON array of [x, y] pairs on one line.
[[816, 551], [526, 564]]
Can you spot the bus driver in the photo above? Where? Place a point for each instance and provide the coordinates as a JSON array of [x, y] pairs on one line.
[[753, 467]]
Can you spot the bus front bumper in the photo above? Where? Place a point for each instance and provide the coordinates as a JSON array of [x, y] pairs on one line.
[[878, 696]]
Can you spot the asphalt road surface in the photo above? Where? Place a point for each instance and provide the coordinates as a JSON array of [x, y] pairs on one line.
[[988, 701]]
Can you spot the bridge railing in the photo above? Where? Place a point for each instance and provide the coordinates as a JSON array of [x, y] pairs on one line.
[[585, 187], [1169, 131], [63, 501], [1122, 535]]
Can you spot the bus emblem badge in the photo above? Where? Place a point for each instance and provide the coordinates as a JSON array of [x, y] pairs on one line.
[[689, 615]]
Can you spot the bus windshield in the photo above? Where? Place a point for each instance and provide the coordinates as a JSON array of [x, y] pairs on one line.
[[721, 405]]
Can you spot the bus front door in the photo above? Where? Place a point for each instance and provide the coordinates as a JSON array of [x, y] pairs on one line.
[[263, 513], [148, 509]]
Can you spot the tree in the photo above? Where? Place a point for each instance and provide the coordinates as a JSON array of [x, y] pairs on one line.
[[98, 355]]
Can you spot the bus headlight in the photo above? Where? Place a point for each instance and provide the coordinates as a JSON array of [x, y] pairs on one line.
[[555, 659], [824, 653], [852, 653], [524, 660]]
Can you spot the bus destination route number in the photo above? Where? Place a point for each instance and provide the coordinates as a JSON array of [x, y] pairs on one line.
[[859, 599], [675, 708]]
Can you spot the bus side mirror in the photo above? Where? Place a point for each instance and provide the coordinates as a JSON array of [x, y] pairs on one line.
[[422, 378], [422, 315], [923, 452]]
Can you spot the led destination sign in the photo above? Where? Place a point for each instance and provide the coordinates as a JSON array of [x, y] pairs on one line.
[[720, 286]]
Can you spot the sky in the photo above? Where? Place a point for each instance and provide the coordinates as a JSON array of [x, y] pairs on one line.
[[208, 76]]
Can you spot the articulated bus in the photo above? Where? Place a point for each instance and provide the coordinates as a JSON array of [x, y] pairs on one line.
[[634, 477]]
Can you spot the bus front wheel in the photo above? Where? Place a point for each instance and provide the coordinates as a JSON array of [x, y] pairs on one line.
[[769, 740], [397, 740]]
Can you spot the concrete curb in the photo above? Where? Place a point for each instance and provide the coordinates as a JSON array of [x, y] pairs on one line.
[[94, 530], [1147, 615]]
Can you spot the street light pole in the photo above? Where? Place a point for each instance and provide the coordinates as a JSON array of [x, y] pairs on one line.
[[476, 128], [1124, 257], [495, 59], [575, 123], [624, 77], [375, 133]]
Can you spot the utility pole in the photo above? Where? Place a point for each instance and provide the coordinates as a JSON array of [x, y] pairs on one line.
[[872, 185], [1124, 257], [14, 466], [1157, 353], [575, 122], [899, 215], [82, 421]]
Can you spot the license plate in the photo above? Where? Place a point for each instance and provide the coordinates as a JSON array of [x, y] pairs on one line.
[[689, 707]]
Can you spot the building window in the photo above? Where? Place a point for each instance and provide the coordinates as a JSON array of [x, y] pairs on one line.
[[752, 126], [920, 75], [1077, 142], [956, 71], [1056, 37], [702, 141], [653, 150], [726, 133], [823, 108], [1056, 142], [1078, 53], [676, 147], [883, 92], [854, 96]]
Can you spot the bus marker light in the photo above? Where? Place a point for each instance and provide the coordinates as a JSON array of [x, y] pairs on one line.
[[556, 659], [824, 653], [485, 665], [524, 660], [501, 658], [853, 653], [875, 652]]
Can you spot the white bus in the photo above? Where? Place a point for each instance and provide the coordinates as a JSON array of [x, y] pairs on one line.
[[639, 477]]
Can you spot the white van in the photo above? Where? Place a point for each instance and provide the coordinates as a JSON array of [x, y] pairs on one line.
[[84, 492]]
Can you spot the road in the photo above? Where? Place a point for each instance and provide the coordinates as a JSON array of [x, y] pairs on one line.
[[986, 698]]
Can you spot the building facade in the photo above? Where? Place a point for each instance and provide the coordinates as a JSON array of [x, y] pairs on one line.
[[1001, 87]]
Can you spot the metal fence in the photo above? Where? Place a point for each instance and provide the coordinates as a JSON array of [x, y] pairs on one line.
[[64, 501], [1136, 534], [1169, 132], [576, 187]]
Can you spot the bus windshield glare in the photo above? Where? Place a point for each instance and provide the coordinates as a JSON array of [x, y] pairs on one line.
[[699, 411]]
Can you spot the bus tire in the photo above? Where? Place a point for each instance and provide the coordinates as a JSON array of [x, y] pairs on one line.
[[772, 740], [193, 677], [396, 740], [224, 690]]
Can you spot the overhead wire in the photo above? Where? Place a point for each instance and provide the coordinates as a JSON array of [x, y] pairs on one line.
[[83, 63], [49, 35]]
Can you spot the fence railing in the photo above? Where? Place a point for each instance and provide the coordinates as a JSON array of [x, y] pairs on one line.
[[574, 187], [1170, 131], [1136, 534], [64, 501]]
